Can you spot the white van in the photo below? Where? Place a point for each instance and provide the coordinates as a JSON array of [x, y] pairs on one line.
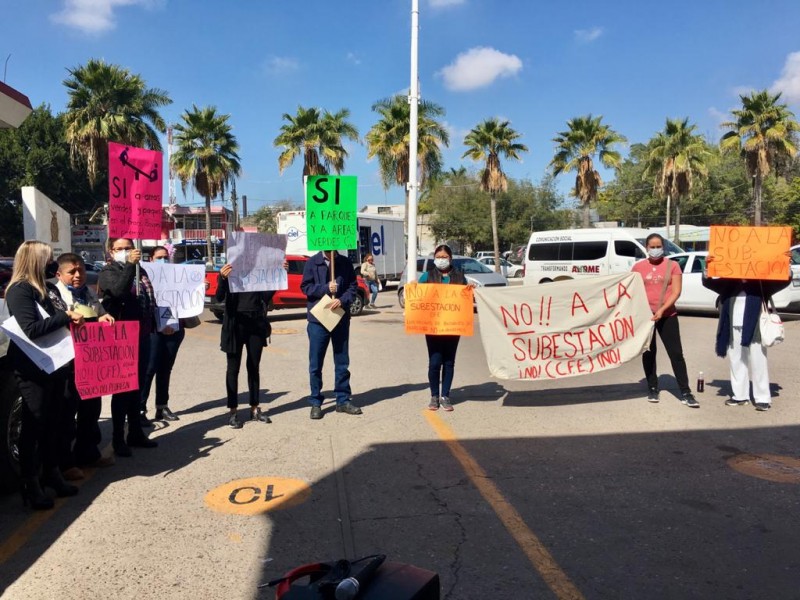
[[572, 253]]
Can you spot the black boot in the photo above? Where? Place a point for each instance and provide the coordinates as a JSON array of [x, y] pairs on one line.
[[52, 478], [33, 494]]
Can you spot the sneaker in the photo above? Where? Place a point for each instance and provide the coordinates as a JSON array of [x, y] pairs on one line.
[[444, 402], [234, 422], [165, 414], [258, 416], [316, 412], [688, 399], [348, 408], [652, 395], [735, 402], [762, 406], [434, 403]]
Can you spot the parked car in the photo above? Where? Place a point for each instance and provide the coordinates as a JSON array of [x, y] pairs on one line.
[[10, 417], [794, 263], [292, 297], [506, 268], [475, 272], [696, 297]]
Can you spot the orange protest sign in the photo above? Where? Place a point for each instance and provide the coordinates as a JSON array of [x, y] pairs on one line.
[[438, 309], [749, 252]]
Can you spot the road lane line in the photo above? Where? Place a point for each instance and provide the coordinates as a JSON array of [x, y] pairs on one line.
[[539, 556]]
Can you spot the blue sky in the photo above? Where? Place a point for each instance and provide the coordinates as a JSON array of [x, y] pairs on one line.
[[534, 63]]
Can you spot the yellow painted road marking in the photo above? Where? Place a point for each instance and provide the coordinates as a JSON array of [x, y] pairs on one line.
[[257, 495], [540, 557]]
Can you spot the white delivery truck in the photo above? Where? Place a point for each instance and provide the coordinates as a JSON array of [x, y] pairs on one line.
[[379, 235], [574, 253]]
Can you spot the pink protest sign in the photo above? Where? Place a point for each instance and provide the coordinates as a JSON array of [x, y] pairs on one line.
[[106, 358], [134, 192]]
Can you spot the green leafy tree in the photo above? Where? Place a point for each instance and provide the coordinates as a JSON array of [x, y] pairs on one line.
[[206, 156], [390, 137], [675, 157], [487, 142], [265, 218], [585, 138], [318, 136], [763, 133], [108, 103]]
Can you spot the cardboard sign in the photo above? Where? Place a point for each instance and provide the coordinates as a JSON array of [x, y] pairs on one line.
[[257, 262], [331, 212], [181, 288], [749, 252], [135, 188], [106, 358], [439, 309], [565, 328]]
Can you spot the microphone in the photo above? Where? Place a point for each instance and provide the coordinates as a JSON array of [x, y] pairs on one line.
[[349, 588]]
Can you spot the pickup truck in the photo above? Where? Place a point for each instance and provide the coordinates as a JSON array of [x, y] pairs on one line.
[[292, 297]]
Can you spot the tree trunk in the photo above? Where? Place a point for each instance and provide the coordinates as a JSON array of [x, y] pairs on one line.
[[587, 218], [495, 239], [208, 230], [677, 236], [757, 199], [669, 210]]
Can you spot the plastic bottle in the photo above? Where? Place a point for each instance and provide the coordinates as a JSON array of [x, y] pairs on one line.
[[701, 383]]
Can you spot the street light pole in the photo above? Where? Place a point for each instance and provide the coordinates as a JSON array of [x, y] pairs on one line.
[[413, 99]]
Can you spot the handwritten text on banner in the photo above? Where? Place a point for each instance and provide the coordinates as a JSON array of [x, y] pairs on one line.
[[749, 252], [257, 262], [438, 309], [106, 358], [135, 187]]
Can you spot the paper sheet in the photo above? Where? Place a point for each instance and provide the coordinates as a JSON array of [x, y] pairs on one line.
[[328, 318], [49, 352]]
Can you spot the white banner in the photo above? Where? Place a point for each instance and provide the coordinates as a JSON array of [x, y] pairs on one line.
[[566, 328], [181, 288], [50, 351], [257, 262]]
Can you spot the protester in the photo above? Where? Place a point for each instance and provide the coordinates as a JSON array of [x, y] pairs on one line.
[[317, 284], [128, 296], [85, 430], [442, 348], [244, 324], [739, 335], [165, 341], [39, 310], [370, 275], [662, 283]]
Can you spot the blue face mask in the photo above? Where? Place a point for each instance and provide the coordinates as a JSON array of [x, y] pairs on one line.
[[160, 260]]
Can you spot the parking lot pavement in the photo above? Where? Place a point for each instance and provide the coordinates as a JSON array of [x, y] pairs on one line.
[[565, 489]]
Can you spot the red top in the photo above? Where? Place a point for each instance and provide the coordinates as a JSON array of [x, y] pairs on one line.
[[653, 275]]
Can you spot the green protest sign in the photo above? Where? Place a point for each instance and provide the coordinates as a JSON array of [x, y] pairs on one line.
[[331, 207]]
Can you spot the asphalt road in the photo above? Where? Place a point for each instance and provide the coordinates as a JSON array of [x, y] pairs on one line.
[[567, 489]]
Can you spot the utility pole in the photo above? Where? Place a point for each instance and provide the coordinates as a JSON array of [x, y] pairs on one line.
[[413, 99], [235, 206]]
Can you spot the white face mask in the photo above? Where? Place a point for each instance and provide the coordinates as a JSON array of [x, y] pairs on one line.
[[120, 256], [441, 263], [655, 253]]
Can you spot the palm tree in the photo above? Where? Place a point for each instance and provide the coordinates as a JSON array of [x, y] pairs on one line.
[[390, 137], [674, 157], [206, 155], [108, 103], [763, 133], [586, 137], [317, 135], [487, 141]]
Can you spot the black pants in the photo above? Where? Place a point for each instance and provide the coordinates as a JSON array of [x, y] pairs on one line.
[[246, 335], [85, 417], [441, 362], [42, 433], [129, 404], [670, 334]]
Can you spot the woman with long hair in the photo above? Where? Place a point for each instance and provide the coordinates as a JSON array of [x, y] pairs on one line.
[[38, 310]]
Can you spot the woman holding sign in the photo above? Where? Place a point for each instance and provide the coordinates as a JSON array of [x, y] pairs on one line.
[[662, 283], [38, 310], [244, 325], [442, 348], [739, 335]]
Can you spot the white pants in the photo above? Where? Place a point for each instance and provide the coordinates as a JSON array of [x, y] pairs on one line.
[[749, 363]]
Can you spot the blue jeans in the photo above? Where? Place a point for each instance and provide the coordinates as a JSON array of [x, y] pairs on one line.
[[373, 287], [318, 339], [163, 352]]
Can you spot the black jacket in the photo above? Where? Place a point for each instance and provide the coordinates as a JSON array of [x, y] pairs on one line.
[[317, 276], [120, 299], [258, 320]]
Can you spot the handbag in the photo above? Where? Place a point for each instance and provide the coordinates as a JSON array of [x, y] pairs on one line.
[[770, 325]]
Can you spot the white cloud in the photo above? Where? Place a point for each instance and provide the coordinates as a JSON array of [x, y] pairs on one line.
[[445, 3], [742, 90], [277, 65], [479, 67], [718, 115], [789, 82], [93, 16], [353, 58], [587, 36], [457, 134]]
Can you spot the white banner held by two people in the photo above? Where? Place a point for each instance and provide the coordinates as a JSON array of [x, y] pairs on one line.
[[566, 328], [256, 260], [179, 291]]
